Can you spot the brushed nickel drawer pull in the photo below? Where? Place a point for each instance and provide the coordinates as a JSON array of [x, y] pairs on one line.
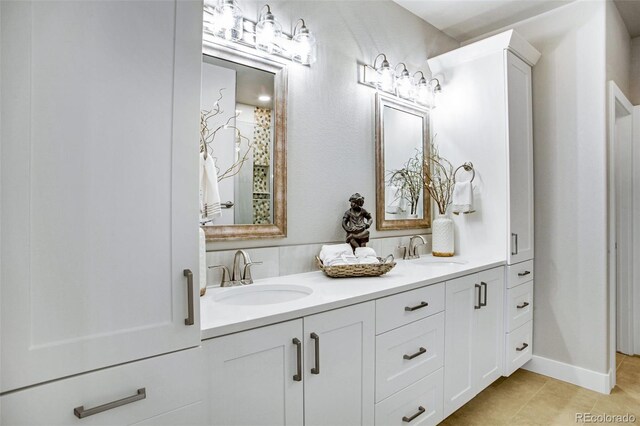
[[524, 305], [484, 285], [479, 305], [524, 274], [298, 376], [416, 307], [316, 369], [190, 318], [412, 356], [421, 410], [81, 413], [523, 347]]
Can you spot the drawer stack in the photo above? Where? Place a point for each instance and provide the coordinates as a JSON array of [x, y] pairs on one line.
[[410, 357], [518, 316]]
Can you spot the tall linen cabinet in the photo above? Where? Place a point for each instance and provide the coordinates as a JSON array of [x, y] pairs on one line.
[[98, 215]]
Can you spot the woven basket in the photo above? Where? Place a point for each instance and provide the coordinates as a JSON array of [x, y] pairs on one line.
[[351, 271]]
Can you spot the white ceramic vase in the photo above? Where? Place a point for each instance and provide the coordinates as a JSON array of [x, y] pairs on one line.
[[442, 242]]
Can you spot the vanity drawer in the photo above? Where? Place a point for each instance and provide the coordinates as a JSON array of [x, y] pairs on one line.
[[400, 309], [174, 389], [518, 348], [519, 305], [422, 400], [519, 273], [408, 353]]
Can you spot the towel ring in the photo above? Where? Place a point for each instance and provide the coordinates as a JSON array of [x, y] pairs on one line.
[[468, 167]]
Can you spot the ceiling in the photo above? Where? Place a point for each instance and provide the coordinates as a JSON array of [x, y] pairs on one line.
[[630, 11], [466, 19]]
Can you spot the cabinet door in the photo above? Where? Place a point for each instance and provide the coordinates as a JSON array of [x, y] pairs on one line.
[[100, 107], [251, 376], [462, 301], [339, 366], [488, 337], [519, 106]]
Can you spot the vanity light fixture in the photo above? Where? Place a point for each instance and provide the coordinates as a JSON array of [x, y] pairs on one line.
[[228, 20], [268, 31], [422, 92], [404, 85], [303, 44], [435, 91], [386, 77]]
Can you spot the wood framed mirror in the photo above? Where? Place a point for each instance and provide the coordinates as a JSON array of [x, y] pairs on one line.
[[402, 140], [244, 130]]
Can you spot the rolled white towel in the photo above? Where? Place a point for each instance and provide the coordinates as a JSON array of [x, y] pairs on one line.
[[345, 259], [365, 252], [368, 260], [334, 251]]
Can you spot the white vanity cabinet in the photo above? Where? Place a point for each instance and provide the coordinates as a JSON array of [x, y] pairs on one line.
[[259, 377], [100, 106], [167, 390], [473, 336]]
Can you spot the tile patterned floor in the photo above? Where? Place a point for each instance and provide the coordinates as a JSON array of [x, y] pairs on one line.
[[528, 398]]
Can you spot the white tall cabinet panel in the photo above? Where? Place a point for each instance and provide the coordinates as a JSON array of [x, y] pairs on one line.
[[251, 376], [520, 146], [100, 104], [339, 370]]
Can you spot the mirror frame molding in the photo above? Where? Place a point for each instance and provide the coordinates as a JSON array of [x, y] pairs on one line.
[[278, 229], [383, 224]]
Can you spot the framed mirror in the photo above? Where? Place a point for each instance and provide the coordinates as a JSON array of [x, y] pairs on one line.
[[243, 132], [402, 139]]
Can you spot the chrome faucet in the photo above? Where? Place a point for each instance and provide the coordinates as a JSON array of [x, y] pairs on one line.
[[243, 277], [412, 251]]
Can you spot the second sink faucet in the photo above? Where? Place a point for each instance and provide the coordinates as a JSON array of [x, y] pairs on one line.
[[412, 251]]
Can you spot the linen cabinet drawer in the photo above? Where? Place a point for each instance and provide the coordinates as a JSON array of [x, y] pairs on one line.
[[519, 305], [418, 404], [519, 273], [156, 391], [407, 354], [518, 348], [400, 309]]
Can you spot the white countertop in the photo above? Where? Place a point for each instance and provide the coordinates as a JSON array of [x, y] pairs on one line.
[[218, 319]]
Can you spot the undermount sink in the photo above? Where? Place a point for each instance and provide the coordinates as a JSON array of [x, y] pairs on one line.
[[435, 261], [261, 294]]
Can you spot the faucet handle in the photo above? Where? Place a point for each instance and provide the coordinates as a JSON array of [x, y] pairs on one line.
[[246, 273], [403, 250], [224, 281]]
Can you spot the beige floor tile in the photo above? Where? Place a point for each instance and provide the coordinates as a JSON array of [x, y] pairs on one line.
[[619, 358]]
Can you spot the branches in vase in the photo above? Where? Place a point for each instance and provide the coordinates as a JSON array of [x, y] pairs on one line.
[[207, 138], [409, 180], [439, 181]]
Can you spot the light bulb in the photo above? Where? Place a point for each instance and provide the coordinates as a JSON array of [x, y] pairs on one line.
[[386, 77], [404, 85], [268, 31], [229, 20], [303, 46]]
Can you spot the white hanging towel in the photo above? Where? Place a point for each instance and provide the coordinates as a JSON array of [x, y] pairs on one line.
[[202, 246], [462, 198], [209, 191]]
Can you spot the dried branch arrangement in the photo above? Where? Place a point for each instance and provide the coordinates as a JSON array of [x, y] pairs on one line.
[[409, 180], [439, 179], [207, 138]]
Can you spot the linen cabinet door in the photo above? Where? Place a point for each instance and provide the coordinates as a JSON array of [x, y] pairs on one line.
[[100, 108], [488, 338], [339, 372], [520, 124], [462, 301], [255, 376]]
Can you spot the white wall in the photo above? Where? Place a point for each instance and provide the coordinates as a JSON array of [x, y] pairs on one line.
[[618, 49], [570, 175], [330, 141], [634, 89]]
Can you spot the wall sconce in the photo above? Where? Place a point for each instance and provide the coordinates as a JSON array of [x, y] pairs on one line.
[[383, 77], [225, 25]]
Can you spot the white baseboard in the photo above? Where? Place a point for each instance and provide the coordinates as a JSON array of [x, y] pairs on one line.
[[579, 376]]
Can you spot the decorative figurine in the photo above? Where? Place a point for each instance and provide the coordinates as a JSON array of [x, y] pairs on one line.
[[356, 221]]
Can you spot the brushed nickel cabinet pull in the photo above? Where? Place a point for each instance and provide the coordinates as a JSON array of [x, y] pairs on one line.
[[412, 356], [81, 413], [190, 318], [479, 305], [421, 410], [316, 369], [524, 274], [523, 347], [484, 285], [516, 245], [298, 376], [416, 307], [524, 305]]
